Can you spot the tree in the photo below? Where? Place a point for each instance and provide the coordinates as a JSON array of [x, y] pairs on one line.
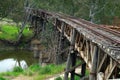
[[6, 7]]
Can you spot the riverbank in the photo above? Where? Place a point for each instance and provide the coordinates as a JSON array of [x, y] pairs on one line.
[[11, 32], [7, 47], [34, 72]]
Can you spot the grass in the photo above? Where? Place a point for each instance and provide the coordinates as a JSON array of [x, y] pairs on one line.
[[16, 71], [1, 78], [49, 70], [10, 32], [40, 72]]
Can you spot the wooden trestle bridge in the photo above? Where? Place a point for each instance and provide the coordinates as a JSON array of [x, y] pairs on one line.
[[98, 46]]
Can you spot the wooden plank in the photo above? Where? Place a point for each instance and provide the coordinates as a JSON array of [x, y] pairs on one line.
[[100, 76], [73, 55], [67, 67], [74, 67], [101, 63], [83, 69], [110, 68], [94, 64], [72, 41]]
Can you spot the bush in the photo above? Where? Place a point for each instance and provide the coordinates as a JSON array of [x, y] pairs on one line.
[[17, 69], [35, 67], [28, 72], [58, 78], [1, 78], [45, 70]]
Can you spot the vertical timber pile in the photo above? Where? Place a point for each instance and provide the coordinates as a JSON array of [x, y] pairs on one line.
[[71, 57], [94, 64], [60, 42], [83, 69]]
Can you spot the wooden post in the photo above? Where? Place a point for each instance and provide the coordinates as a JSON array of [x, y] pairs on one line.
[[61, 41], [83, 69], [67, 67], [73, 58], [73, 34], [43, 21], [43, 25], [93, 71], [57, 41], [60, 46]]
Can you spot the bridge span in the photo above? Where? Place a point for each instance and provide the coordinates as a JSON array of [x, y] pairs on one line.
[[98, 46]]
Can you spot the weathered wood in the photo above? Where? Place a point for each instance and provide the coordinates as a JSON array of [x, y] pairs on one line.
[[61, 41], [93, 33], [73, 34], [110, 69], [85, 78], [91, 51], [58, 58], [94, 64], [60, 44], [100, 76], [43, 25], [67, 67], [101, 63], [88, 50], [77, 74], [73, 59], [83, 69], [71, 69]]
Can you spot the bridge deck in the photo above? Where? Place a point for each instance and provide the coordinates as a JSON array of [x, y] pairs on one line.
[[84, 36]]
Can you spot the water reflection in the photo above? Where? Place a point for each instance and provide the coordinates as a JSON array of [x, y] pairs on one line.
[[9, 64], [10, 59]]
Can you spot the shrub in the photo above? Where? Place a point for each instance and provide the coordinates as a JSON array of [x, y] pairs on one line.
[[17, 69], [28, 72], [35, 67], [45, 70], [58, 78], [1, 78]]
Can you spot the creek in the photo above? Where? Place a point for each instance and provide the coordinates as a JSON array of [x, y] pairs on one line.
[[12, 58]]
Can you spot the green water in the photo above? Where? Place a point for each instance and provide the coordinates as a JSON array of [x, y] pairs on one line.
[[10, 59]]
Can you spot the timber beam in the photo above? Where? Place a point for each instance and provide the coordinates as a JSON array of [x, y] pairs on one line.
[[98, 46]]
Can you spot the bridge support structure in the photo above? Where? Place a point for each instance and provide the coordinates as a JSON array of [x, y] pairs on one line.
[[93, 71], [98, 47]]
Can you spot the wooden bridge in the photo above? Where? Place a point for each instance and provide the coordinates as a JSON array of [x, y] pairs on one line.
[[98, 46]]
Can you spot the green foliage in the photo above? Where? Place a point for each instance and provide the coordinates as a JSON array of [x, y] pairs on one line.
[[45, 70], [28, 72], [35, 67], [42, 72], [10, 74], [58, 78], [10, 32], [103, 11], [49, 70], [1, 78], [87, 72], [12, 9], [77, 78], [17, 69]]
